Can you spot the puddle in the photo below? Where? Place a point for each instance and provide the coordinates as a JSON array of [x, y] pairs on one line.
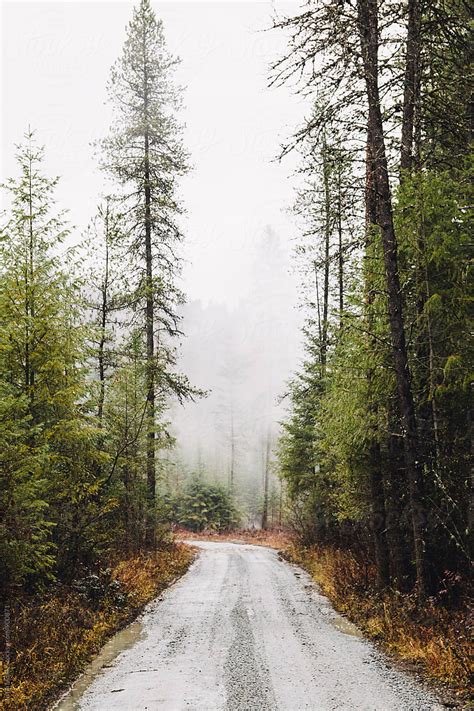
[[118, 643], [343, 625]]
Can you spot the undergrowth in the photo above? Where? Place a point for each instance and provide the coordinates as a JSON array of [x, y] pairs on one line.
[[434, 637], [54, 636]]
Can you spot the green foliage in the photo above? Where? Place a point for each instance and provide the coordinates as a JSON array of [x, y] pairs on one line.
[[75, 449], [144, 156], [26, 549], [336, 421], [346, 450], [48, 443], [203, 506], [434, 223]]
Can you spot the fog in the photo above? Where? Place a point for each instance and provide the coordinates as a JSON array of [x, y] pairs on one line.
[[244, 355], [241, 322]]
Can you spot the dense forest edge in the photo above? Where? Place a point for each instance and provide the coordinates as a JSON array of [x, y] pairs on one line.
[[377, 449], [88, 365], [374, 461]]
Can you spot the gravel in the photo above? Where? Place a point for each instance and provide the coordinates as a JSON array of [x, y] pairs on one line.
[[245, 631]]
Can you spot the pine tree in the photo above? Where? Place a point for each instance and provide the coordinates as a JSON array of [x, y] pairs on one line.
[[144, 156], [388, 439], [26, 549], [41, 366], [105, 286]]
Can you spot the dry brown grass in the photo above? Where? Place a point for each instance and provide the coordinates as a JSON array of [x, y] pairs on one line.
[[277, 538], [434, 638], [54, 637]]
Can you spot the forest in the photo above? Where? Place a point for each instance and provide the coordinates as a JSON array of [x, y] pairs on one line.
[[377, 447], [361, 453]]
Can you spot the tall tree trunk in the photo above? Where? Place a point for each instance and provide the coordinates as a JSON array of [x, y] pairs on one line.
[[126, 478], [470, 425], [104, 307], [369, 37], [411, 86], [410, 158], [232, 452], [377, 497], [378, 518], [150, 328], [318, 301], [327, 235], [424, 346], [394, 487], [340, 256], [29, 286], [266, 477]]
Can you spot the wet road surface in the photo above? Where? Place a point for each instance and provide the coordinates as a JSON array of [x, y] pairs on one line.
[[244, 631]]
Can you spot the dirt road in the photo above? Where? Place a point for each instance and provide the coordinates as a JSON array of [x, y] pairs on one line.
[[244, 630]]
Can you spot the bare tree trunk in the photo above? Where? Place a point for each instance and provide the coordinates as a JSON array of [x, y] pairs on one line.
[[29, 286], [410, 158], [394, 488], [232, 452], [470, 424], [378, 517], [368, 31], [318, 303], [126, 478], [424, 348]]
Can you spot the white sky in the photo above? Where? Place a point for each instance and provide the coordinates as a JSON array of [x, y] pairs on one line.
[[55, 64]]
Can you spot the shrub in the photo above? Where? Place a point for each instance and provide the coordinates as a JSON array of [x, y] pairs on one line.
[[204, 506]]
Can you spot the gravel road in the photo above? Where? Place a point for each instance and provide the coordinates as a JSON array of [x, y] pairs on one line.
[[245, 631]]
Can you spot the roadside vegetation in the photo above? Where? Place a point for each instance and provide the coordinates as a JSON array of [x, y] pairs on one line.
[[282, 539], [54, 636], [376, 448], [434, 640], [89, 328]]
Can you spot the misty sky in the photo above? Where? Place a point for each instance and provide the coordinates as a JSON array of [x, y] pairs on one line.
[[55, 64]]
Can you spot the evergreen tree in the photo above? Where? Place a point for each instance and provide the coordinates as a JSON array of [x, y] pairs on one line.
[[106, 282], [384, 438], [144, 156], [41, 369]]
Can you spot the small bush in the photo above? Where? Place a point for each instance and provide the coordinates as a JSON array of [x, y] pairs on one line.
[[202, 506]]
